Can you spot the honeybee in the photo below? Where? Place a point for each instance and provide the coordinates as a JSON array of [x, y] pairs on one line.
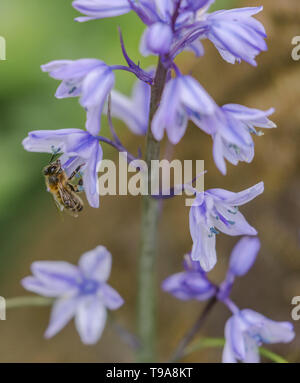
[[63, 191]]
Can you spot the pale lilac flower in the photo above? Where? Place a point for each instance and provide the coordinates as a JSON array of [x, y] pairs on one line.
[[242, 259], [183, 97], [236, 34], [247, 330], [90, 79], [134, 111], [190, 284], [231, 127], [214, 211], [79, 291], [78, 148]]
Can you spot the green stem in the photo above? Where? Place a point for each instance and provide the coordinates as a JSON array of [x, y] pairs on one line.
[[146, 312], [27, 302], [192, 332]]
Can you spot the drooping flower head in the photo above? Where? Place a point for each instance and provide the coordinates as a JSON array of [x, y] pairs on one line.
[[79, 291], [89, 79], [236, 34], [231, 127], [247, 330], [214, 211], [183, 97], [78, 148], [189, 284]]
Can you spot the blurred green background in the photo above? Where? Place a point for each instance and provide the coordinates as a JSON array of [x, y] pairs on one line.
[[31, 229]]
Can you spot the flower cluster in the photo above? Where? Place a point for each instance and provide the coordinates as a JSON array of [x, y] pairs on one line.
[[246, 330], [172, 26]]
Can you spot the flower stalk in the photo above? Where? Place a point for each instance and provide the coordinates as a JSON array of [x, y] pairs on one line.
[[146, 310]]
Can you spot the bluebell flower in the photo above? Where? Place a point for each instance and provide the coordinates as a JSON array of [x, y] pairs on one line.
[[190, 284], [231, 127], [79, 291], [78, 148], [183, 97], [247, 330], [236, 34], [89, 79], [242, 259], [214, 211], [133, 111]]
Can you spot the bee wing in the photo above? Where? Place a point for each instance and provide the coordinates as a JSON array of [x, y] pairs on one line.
[[67, 200]]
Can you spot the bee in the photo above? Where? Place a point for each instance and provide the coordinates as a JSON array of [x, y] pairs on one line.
[[63, 191]]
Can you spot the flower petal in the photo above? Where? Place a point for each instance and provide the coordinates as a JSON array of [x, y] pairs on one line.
[[252, 353], [134, 112], [98, 9], [62, 312], [96, 264], [231, 224], [71, 69], [95, 90], [90, 319], [269, 331], [228, 355], [243, 255], [59, 276], [237, 199], [194, 96], [90, 176], [48, 141], [35, 285], [111, 298], [204, 243], [167, 112]]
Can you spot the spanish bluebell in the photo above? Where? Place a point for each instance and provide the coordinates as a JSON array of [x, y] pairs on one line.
[[79, 291], [77, 147], [183, 97], [214, 211], [236, 34], [89, 79], [191, 283], [231, 127], [247, 330]]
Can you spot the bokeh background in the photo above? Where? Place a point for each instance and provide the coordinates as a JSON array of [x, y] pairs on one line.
[[31, 229]]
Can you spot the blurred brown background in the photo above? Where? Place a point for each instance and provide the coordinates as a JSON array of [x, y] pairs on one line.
[[32, 230]]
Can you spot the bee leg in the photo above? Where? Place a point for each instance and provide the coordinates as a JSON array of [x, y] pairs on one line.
[[76, 171], [76, 188]]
